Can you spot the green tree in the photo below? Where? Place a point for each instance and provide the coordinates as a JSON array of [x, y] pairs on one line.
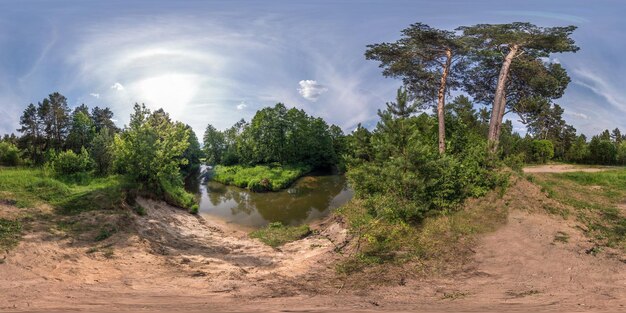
[[542, 150], [103, 118], [579, 150], [214, 145], [31, 139], [424, 59], [81, 131], [150, 153], [520, 48], [102, 151], [53, 113], [9, 154]]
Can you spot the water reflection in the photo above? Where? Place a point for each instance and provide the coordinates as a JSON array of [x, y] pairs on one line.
[[310, 198]]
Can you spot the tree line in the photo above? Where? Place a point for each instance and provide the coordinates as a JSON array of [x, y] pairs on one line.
[[276, 134]]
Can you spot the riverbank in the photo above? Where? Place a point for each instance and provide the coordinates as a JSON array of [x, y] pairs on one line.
[[169, 260], [272, 177]]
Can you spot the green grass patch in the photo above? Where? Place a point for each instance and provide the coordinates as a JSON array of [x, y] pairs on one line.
[[276, 234], [10, 233], [272, 177], [599, 201], [29, 187]]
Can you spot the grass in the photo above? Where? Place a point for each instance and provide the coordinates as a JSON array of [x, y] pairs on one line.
[[598, 201], [10, 233], [276, 234], [272, 177], [29, 187]]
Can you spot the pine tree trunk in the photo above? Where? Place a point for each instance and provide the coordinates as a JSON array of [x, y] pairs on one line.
[[441, 101], [499, 101]]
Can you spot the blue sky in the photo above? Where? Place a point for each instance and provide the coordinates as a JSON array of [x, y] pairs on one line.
[[219, 61]]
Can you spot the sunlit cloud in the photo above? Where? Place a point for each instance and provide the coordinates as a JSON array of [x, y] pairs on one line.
[[311, 89], [95, 95], [242, 105], [117, 86]]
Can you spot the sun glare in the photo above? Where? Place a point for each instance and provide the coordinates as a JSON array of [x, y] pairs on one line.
[[172, 92]]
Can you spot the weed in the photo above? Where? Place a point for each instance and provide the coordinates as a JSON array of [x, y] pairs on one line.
[[522, 294], [105, 232], [276, 234], [141, 211], [561, 237], [10, 233], [453, 295], [108, 253]]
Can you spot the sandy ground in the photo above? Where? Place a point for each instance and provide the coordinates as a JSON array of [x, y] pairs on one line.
[[564, 168], [175, 262]]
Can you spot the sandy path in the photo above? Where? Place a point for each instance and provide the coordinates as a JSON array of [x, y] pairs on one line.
[[175, 262], [564, 168]]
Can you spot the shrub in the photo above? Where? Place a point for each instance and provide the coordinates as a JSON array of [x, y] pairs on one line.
[[9, 154], [68, 163]]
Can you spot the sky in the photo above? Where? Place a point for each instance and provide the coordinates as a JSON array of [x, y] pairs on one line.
[[215, 62]]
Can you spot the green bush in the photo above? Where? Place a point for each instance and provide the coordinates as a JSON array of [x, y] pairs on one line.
[[9, 154], [68, 163], [542, 151]]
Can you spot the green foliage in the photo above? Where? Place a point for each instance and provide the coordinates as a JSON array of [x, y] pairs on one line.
[[542, 151], [10, 233], [406, 179], [150, 153], [81, 131], [276, 234], [68, 163], [102, 152], [9, 154], [271, 177], [275, 134]]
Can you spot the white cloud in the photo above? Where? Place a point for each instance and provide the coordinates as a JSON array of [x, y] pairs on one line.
[[95, 95], [117, 86], [601, 87], [311, 89], [577, 115], [242, 105]]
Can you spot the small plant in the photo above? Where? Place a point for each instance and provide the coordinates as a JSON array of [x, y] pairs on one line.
[[141, 211], [10, 233], [276, 234], [194, 209], [105, 232], [561, 237]]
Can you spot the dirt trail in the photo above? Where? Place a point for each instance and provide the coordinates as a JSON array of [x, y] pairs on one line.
[[565, 168], [175, 262]]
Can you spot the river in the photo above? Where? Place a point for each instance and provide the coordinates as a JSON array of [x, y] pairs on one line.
[[310, 198]]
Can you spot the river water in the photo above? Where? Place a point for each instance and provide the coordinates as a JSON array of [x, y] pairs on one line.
[[310, 198]]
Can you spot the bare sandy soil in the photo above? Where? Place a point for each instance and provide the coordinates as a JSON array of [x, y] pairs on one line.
[[564, 168], [175, 262]]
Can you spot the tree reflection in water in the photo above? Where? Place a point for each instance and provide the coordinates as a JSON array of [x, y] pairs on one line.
[[309, 198]]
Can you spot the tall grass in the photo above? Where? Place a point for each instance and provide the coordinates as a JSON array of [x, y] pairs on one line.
[[261, 177], [29, 187]]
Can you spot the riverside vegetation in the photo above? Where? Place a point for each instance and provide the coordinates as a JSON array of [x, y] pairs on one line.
[[412, 173]]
